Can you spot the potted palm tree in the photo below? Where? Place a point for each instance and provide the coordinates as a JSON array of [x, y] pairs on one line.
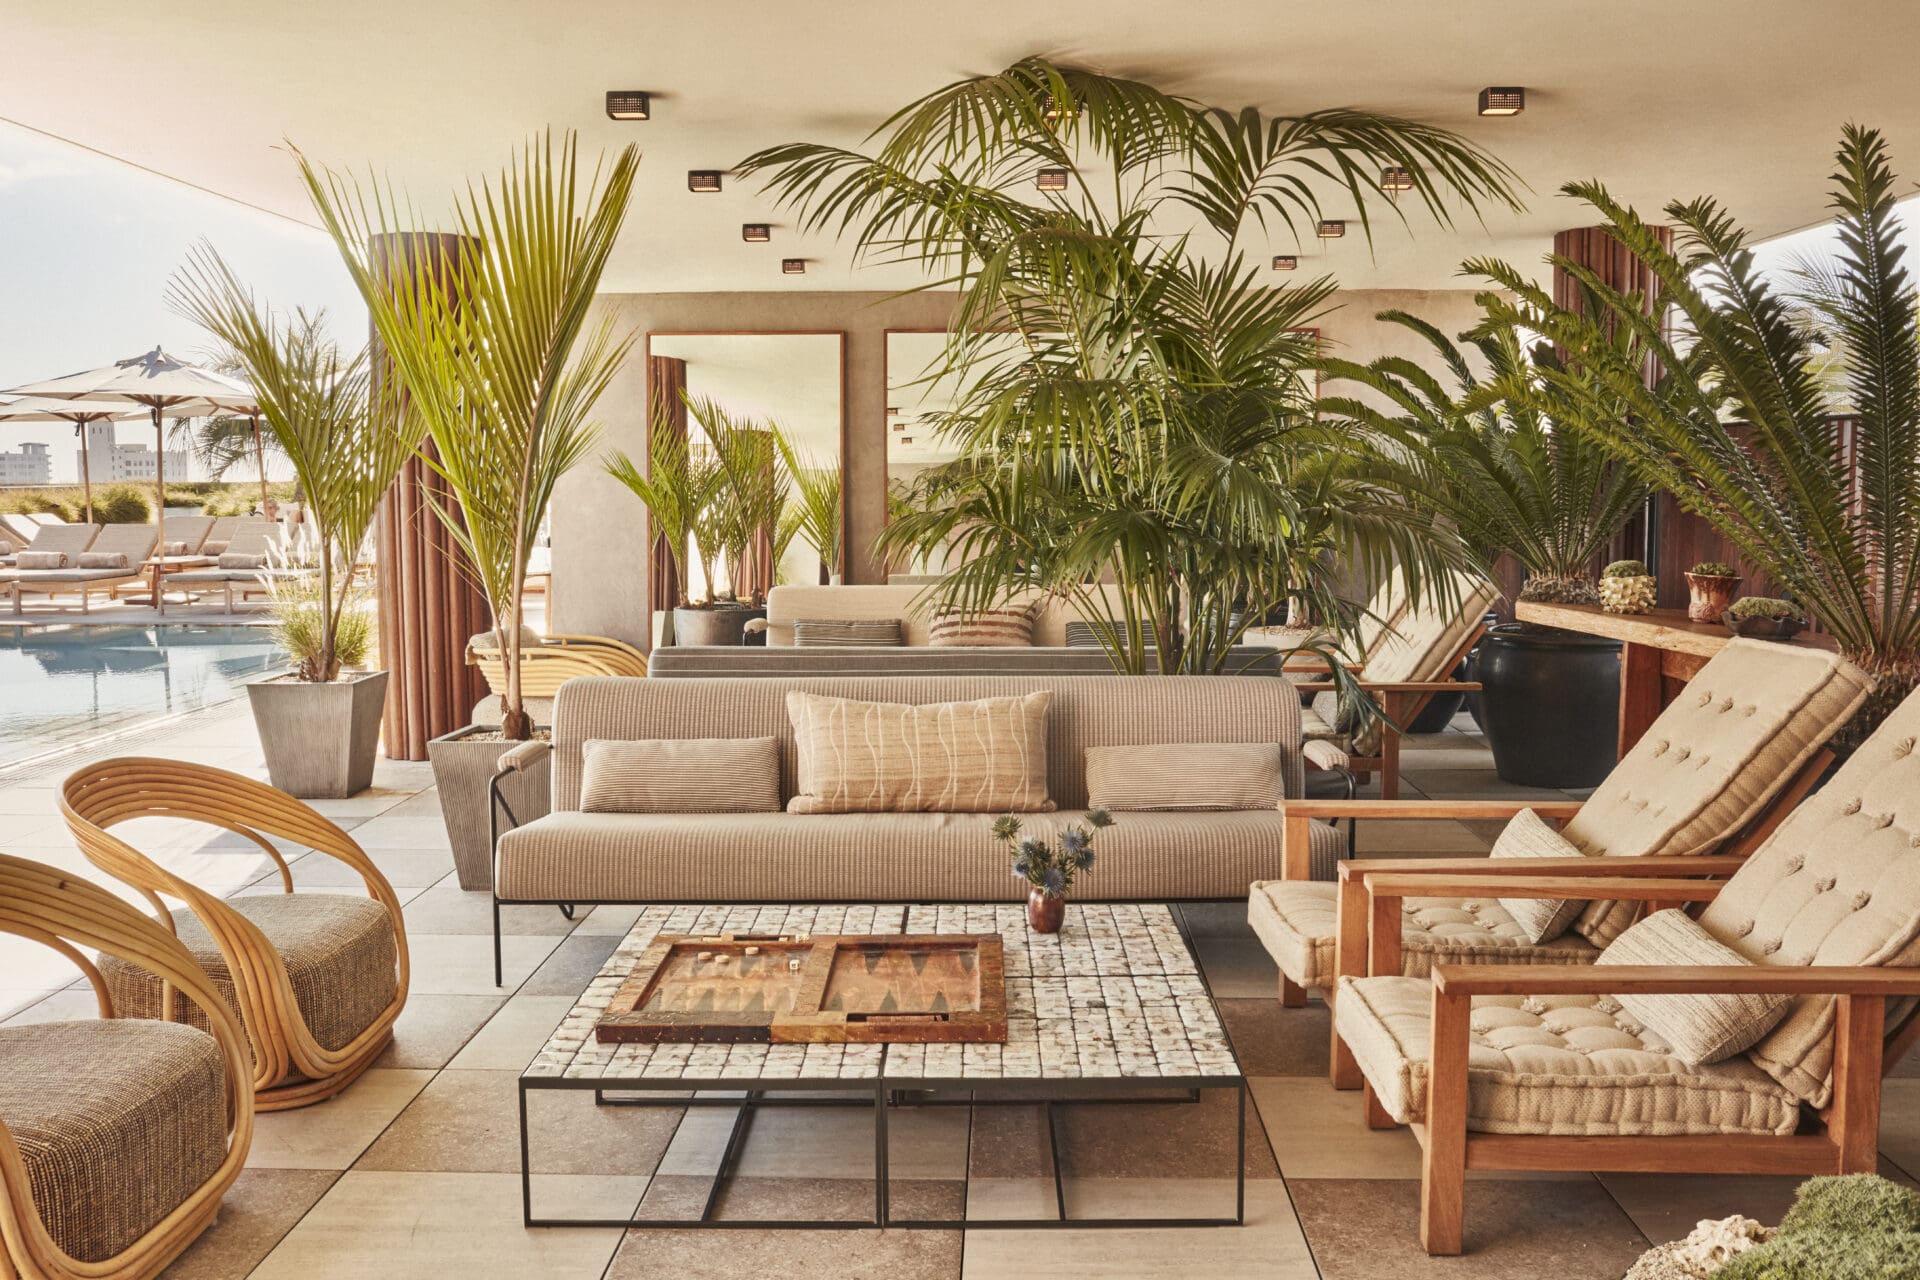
[[319, 724], [1742, 430], [676, 485], [495, 352], [1514, 481]]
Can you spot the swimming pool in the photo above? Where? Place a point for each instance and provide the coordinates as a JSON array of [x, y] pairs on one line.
[[62, 685]]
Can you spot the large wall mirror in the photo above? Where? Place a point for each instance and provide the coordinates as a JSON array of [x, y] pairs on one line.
[[791, 387]]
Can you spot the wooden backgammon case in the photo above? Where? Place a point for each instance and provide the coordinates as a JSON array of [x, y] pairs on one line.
[[812, 988]]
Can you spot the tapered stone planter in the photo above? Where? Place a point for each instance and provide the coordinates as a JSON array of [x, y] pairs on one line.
[[319, 739], [464, 762]]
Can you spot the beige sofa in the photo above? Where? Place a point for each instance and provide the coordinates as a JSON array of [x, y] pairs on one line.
[[574, 857]]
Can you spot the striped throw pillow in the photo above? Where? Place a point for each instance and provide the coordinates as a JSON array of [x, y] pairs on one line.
[[847, 634], [681, 775], [1528, 835], [988, 756], [1185, 775], [1081, 635], [983, 629], [1700, 1029]]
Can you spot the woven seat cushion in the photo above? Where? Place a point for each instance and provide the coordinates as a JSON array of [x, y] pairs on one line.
[[1296, 920], [118, 1122], [1564, 1065], [338, 950]]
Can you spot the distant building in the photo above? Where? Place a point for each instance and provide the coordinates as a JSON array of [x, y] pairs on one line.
[[108, 460], [29, 464]]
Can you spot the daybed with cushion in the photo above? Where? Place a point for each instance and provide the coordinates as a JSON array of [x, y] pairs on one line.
[[771, 855], [245, 561], [1750, 1041], [111, 561]]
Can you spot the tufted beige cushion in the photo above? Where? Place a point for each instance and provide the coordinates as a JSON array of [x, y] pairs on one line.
[[1700, 1026], [1528, 835], [1837, 884], [1192, 776], [985, 756], [1568, 1065]]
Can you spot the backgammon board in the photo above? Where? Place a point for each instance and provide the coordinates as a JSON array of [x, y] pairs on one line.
[[808, 988]]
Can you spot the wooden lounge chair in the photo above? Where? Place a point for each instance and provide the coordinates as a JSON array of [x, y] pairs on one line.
[[318, 979], [220, 534], [111, 561], [66, 539], [1733, 756], [241, 562], [1502, 1066], [547, 662], [118, 1137]]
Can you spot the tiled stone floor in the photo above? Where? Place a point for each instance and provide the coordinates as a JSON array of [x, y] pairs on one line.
[[413, 1172]]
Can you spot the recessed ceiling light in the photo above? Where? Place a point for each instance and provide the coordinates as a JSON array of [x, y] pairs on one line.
[[793, 266], [893, 411], [1509, 101], [906, 439], [1395, 178], [703, 179], [1285, 262], [628, 104], [1331, 229], [1051, 180], [898, 426], [756, 232]]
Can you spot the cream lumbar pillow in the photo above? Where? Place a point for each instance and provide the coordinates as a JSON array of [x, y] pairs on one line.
[[103, 559], [988, 756], [1528, 835], [680, 775], [1185, 776], [1700, 1029]]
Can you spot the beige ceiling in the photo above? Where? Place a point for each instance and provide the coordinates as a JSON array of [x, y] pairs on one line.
[[1741, 98]]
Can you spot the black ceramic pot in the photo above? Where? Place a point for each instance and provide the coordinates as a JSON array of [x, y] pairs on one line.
[[1444, 707], [1469, 672], [1550, 704]]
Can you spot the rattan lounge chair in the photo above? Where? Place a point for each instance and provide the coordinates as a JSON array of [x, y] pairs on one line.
[[118, 1137], [547, 662], [318, 979], [1503, 1066], [111, 561]]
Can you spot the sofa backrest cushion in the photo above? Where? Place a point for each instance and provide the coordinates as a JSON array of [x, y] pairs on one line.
[[986, 755], [1086, 711], [913, 605], [1838, 883], [1186, 776], [681, 775], [1719, 752]]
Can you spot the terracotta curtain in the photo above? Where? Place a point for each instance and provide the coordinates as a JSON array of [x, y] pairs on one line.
[[666, 379]]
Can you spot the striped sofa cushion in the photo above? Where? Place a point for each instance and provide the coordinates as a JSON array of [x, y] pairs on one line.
[[987, 756], [1081, 635], [1188, 775], [849, 633], [983, 628], [681, 775]]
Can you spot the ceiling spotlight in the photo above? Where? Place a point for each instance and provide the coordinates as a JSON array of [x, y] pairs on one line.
[[893, 411], [906, 439], [1051, 180], [1394, 178], [703, 179], [628, 104], [1285, 262], [1331, 229], [1503, 102], [898, 426], [756, 232], [793, 266]]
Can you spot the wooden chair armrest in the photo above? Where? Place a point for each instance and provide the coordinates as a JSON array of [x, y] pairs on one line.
[[1457, 809], [1591, 889], [1607, 980], [1604, 868]]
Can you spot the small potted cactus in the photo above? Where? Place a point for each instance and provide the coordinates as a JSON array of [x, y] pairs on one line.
[[1627, 587], [1764, 618], [1711, 585]]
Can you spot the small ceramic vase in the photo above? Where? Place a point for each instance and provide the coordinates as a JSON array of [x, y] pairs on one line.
[[1711, 597], [1045, 911]]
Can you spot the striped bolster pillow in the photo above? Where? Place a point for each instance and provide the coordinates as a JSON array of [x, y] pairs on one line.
[[1185, 775], [1081, 635], [983, 629], [681, 775], [846, 634]]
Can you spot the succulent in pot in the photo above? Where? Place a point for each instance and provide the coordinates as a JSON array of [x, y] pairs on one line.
[[1050, 869], [1711, 586], [1764, 618], [1627, 587]]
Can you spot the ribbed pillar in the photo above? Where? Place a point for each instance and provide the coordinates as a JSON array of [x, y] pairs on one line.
[[429, 600], [666, 379]]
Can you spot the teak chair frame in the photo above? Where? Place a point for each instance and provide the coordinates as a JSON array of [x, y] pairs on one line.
[[66, 913], [290, 1067]]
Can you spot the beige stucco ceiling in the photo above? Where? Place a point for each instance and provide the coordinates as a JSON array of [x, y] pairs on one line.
[[1741, 99]]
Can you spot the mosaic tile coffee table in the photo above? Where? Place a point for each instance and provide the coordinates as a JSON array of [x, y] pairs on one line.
[[1113, 1008]]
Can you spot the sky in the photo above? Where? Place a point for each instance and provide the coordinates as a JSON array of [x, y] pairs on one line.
[[87, 245]]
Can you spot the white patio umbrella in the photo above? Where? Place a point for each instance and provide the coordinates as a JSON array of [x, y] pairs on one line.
[[158, 382], [79, 413]]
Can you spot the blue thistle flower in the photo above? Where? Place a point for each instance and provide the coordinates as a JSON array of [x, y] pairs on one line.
[[1022, 869], [1006, 827], [1076, 840], [1083, 861], [1053, 882], [1098, 818]]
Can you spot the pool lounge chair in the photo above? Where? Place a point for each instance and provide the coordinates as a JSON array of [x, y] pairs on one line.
[[67, 539], [221, 534], [111, 561], [241, 563], [16, 533]]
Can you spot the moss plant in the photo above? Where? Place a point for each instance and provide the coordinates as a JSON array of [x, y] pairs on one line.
[[1857, 1227], [1760, 607], [1626, 569], [1713, 569]]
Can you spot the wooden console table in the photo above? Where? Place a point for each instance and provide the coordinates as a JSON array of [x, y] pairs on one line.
[[1660, 652]]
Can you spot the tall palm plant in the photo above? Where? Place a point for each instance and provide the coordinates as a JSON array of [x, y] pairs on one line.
[[1510, 478], [1150, 423], [346, 439], [1742, 430], [816, 506], [491, 343], [676, 485]]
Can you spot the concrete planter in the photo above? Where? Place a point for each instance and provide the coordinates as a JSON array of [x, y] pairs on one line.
[[319, 739], [464, 762], [721, 624]]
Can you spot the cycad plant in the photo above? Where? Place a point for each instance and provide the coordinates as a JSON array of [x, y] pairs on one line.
[[1742, 429], [1511, 479], [345, 437], [489, 339], [1150, 423]]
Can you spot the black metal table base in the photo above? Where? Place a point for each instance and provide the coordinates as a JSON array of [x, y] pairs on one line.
[[883, 1096]]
